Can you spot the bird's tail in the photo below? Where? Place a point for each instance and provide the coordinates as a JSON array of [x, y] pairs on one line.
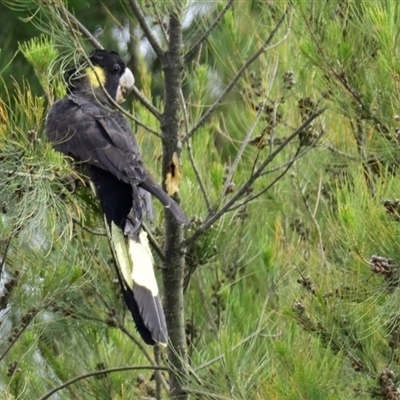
[[168, 202], [135, 272]]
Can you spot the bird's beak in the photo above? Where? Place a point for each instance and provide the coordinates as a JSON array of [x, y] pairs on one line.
[[126, 83]]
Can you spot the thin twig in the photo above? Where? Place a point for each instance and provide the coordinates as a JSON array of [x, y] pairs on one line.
[[153, 241], [333, 149], [146, 29], [246, 186], [146, 103], [236, 346], [190, 153], [255, 196], [277, 168], [287, 165], [198, 176], [97, 373], [122, 328], [232, 83], [312, 215], [96, 44], [318, 196], [264, 307], [276, 104], [118, 324], [7, 247], [159, 20], [239, 155], [207, 310], [207, 33], [202, 393], [92, 231]]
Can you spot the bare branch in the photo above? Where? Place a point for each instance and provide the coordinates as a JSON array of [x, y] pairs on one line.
[[96, 44], [245, 187], [7, 247], [145, 102], [146, 29], [255, 196], [333, 149], [286, 165], [153, 241], [198, 176], [160, 21], [97, 373], [277, 168], [312, 215], [207, 310], [190, 153], [239, 155], [232, 83], [173, 271], [209, 395], [236, 346], [90, 230], [207, 33]]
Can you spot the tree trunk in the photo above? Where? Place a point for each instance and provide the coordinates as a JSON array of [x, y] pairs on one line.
[[173, 271]]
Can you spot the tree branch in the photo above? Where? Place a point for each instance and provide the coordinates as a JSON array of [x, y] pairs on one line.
[[146, 29], [239, 155], [209, 395], [97, 373], [173, 271], [7, 247], [232, 83], [153, 241], [146, 103], [96, 44], [236, 346], [159, 20], [207, 33], [312, 214], [191, 157], [255, 196], [226, 207], [286, 165]]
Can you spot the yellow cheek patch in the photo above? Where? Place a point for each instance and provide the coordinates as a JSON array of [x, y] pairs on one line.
[[96, 76]]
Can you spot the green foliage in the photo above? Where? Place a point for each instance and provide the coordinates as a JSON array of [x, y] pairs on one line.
[[294, 295]]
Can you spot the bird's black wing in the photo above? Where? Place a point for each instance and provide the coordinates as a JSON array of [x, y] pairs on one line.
[[101, 137], [93, 134]]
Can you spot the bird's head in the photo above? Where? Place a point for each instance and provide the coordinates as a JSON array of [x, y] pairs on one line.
[[109, 71]]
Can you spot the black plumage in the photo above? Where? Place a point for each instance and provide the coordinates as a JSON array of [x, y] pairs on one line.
[[86, 126]]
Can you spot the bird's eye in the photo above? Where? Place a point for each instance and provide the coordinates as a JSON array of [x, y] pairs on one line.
[[116, 68]]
